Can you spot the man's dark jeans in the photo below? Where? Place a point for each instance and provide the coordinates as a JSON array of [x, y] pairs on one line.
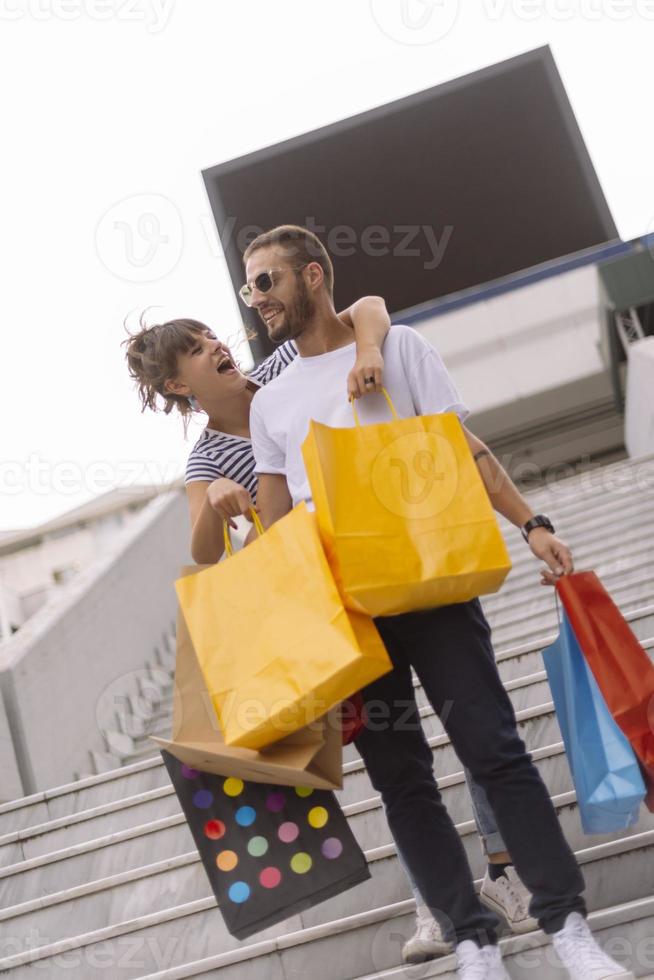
[[450, 650]]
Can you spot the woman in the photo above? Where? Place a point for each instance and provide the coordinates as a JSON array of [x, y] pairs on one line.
[[183, 363]]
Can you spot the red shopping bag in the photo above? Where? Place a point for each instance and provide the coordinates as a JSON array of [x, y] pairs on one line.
[[622, 669], [353, 717]]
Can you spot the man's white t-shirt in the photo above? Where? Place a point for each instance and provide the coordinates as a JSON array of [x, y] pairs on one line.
[[315, 388]]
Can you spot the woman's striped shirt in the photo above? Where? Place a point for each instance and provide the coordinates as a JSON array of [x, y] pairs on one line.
[[217, 454]]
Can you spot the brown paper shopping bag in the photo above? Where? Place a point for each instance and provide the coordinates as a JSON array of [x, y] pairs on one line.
[[311, 756]]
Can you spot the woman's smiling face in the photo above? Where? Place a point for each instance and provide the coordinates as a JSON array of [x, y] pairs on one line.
[[207, 369]]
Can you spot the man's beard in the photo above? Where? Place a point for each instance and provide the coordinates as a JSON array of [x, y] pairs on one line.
[[296, 315]]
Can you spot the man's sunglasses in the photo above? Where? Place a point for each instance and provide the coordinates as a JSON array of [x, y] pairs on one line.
[[264, 282]]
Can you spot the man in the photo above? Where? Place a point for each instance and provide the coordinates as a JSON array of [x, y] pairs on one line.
[[289, 280]]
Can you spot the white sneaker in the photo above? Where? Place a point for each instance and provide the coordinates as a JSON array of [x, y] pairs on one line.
[[480, 964], [510, 898], [427, 942], [580, 954]]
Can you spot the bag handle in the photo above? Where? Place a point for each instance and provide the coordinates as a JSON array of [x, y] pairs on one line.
[[357, 422], [256, 520]]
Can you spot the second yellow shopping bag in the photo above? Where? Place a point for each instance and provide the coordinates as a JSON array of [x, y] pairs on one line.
[[275, 644], [404, 516]]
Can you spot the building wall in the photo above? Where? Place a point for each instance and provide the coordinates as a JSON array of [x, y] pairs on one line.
[[529, 364], [104, 626], [31, 576], [536, 338]]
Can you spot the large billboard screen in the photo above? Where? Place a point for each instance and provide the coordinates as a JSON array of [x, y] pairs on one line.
[[446, 189]]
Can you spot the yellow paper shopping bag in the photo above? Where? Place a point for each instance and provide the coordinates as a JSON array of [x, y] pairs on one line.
[[404, 517], [312, 756], [275, 644]]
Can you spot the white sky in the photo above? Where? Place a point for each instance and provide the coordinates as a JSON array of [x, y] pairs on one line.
[[108, 101]]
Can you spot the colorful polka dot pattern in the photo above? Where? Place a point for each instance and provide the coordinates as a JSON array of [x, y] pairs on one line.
[[239, 892], [275, 802], [257, 846], [214, 829], [270, 877], [301, 863], [288, 832], [318, 816], [227, 860], [245, 816], [203, 799], [331, 848]]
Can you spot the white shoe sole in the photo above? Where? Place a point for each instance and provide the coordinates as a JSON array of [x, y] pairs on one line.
[[518, 928], [429, 951]]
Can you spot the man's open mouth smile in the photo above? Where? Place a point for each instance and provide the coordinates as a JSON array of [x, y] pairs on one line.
[[269, 315]]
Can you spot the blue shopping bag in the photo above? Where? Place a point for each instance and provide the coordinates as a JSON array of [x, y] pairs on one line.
[[604, 768]]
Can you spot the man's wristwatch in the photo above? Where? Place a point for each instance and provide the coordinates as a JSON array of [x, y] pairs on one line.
[[540, 520]]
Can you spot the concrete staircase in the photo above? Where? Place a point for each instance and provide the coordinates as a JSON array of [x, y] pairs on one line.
[[100, 878]]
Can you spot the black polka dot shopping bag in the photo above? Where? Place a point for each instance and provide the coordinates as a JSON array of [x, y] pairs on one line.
[[269, 851]]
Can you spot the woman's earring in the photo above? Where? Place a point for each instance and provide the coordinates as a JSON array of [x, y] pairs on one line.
[[194, 403]]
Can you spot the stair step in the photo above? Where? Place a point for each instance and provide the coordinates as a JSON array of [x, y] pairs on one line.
[[582, 524], [58, 876], [82, 794], [582, 511], [538, 615], [89, 853], [110, 857], [623, 478], [604, 523], [144, 725], [537, 725], [623, 931], [307, 944], [160, 724], [596, 552], [522, 584], [135, 810], [527, 694], [513, 661]]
